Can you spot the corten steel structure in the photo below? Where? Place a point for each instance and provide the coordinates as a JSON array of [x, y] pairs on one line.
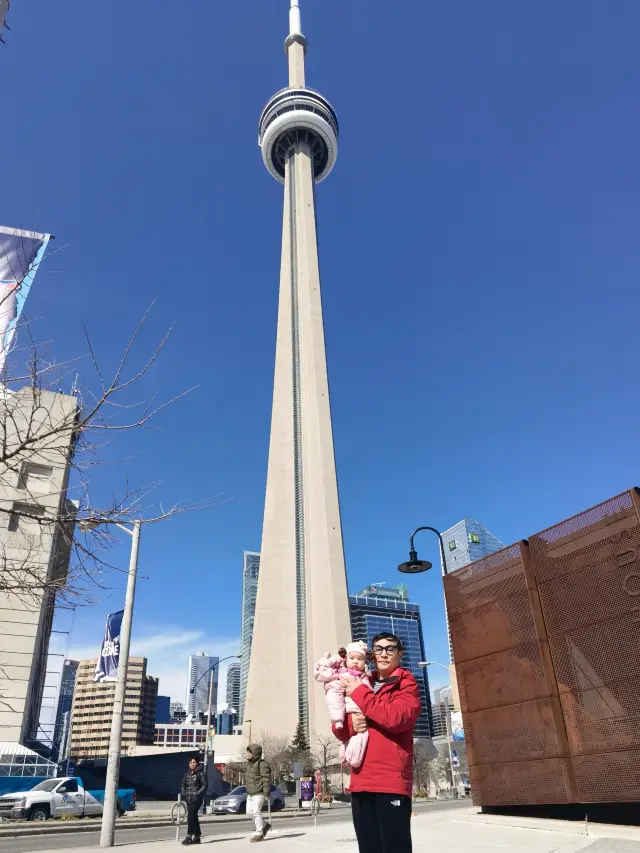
[[546, 635], [302, 606]]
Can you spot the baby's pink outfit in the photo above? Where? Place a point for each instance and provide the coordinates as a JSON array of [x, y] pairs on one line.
[[328, 671]]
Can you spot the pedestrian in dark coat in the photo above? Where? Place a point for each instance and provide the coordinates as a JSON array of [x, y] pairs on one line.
[[194, 785]]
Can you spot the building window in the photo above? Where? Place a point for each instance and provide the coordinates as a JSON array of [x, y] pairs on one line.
[[24, 518], [475, 538], [453, 545], [34, 478]]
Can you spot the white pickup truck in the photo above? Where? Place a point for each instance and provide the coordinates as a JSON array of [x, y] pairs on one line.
[[59, 797]]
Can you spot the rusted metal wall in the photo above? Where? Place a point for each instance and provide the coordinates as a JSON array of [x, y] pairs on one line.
[[546, 641], [588, 575]]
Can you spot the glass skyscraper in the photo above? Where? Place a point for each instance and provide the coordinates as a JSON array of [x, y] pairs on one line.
[[198, 680], [233, 686], [63, 712], [250, 571], [376, 609], [466, 542]]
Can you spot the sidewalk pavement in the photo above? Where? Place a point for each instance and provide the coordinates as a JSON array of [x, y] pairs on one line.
[[462, 831]]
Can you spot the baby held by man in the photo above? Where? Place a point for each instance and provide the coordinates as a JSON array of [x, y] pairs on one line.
[[351, 660]]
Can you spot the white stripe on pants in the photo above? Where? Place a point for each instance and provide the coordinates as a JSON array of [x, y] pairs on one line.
[[254, 807]]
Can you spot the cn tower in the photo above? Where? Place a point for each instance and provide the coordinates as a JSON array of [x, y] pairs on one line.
[[302, 608]]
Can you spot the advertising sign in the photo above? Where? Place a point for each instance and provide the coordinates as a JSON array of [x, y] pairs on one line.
[[455, 760], [107, 665], [20, 256], [306, 791]]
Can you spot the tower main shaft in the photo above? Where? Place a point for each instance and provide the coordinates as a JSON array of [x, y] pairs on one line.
[[302, 603]]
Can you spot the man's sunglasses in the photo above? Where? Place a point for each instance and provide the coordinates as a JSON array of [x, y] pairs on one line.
[[385, 650]]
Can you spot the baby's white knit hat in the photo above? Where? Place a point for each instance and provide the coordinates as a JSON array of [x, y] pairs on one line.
[[359, 647]]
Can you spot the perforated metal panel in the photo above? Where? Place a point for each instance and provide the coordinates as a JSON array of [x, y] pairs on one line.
[[546, 639], [588, 577], [522, 783], [510, 716]]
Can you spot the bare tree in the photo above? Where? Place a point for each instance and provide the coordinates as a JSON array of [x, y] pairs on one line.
[[49, 442], [325, 758], [278, 756]]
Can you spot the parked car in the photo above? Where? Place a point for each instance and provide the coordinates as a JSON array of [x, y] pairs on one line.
[[60, 797], [235, 802]]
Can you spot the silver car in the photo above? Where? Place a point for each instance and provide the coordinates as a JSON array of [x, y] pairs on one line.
[[235, 802]]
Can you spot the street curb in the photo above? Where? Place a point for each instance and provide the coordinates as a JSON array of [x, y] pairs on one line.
[[59, 828]]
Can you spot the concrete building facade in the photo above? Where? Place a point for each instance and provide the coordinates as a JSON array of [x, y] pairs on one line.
[[36, 530], [302, 589], [92, 710], [250, 574]]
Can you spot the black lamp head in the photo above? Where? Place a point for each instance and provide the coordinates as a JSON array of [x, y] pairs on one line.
[[414, 566]]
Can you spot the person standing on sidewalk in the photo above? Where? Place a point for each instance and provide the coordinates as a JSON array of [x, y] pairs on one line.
[[258, 784], [194, 786], [381, 788]]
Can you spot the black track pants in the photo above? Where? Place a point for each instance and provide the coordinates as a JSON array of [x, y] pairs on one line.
[[382, 822]]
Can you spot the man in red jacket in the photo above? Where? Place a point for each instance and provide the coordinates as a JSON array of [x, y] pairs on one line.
[[381, 787]]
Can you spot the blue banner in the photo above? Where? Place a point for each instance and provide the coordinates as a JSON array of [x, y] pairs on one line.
[[20, 256], [107, 665]]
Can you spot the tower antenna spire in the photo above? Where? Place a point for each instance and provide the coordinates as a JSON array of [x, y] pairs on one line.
[[295, 21]]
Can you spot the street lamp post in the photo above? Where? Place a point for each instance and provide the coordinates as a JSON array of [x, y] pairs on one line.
[[193, 690], [108, 829]]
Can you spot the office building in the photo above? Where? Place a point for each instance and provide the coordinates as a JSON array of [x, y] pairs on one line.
[[180, 735], [466, 542], [441, 708], [376, 609], [163, 709], [302, 589], [200, 674], [233, 687], [226, 722], [35, 545], [63, 712], [178, 711], [250, 574], [92, 710]]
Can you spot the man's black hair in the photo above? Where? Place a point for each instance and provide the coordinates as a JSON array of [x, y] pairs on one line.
[[385, 635]]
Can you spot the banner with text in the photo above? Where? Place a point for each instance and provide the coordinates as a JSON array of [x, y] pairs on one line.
[[107, 665]]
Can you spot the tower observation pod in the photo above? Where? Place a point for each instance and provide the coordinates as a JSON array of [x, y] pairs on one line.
[[302, 608]]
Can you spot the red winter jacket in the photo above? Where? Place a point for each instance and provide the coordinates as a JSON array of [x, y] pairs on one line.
[[392, 714]]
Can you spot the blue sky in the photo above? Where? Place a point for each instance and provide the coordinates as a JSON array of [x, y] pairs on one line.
[[479, 256]]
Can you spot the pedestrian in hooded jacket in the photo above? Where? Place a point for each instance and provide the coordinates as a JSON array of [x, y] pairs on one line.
[[194, 785], [381, 787], [258, 784]]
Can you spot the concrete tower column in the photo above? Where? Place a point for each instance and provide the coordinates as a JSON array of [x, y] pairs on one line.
[[302, 603]]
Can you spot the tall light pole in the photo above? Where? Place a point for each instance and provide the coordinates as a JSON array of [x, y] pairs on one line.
[[193, 690], [108, 830]]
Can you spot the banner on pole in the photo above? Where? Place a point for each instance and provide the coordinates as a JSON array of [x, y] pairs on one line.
[[107, 665], [457, 727], [20, 256]]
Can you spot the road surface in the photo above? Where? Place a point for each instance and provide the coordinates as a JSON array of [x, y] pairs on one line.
[[241, 829]]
